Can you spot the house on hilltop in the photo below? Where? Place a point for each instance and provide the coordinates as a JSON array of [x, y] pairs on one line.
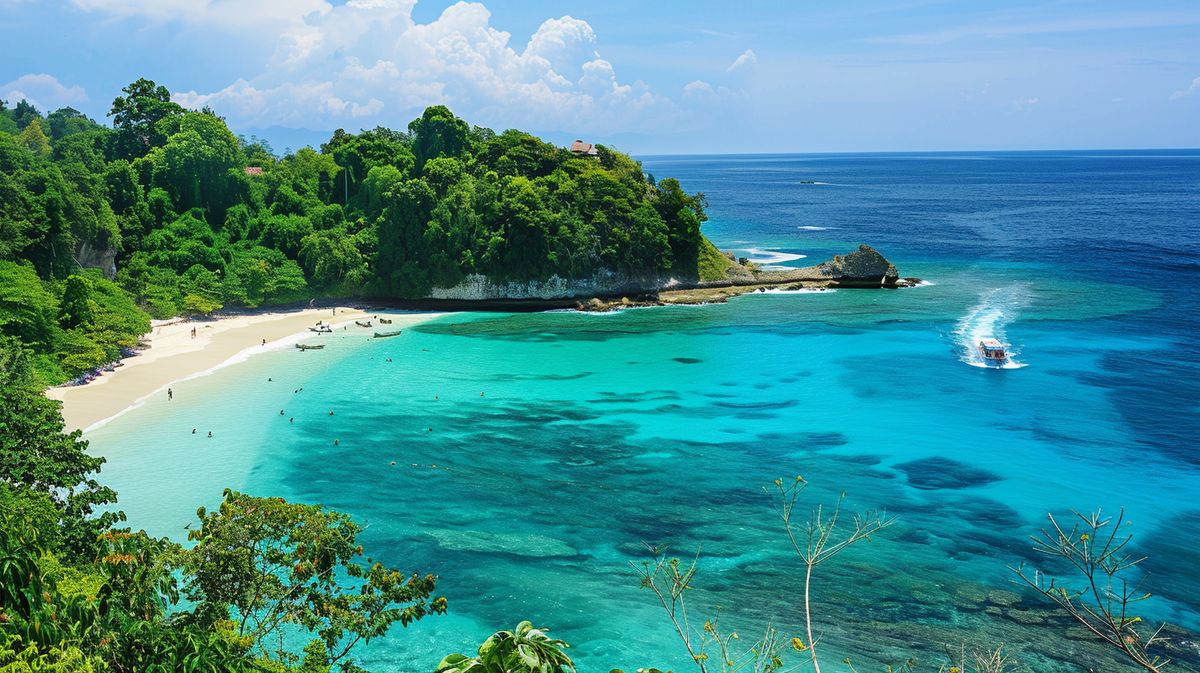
[[253, 170], [582, 149]]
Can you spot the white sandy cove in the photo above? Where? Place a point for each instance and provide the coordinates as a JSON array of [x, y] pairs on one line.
[[174, 355]]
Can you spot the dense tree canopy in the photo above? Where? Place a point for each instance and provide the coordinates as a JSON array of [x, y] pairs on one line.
[[192, 218]]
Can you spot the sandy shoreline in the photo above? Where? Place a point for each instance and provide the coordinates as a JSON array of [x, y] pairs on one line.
[[174, 354]]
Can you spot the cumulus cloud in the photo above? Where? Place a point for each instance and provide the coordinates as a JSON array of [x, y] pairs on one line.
[[747, 58], [1192, 90], [698, 88], [369, 62], [43, 91]]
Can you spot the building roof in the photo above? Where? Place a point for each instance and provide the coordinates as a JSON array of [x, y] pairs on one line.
[[580, 147], [253, 170]]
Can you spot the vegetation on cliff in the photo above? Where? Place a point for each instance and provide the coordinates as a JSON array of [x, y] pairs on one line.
[[195, 218]]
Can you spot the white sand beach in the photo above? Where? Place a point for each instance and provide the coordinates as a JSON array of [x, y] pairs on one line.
[[174, 354]]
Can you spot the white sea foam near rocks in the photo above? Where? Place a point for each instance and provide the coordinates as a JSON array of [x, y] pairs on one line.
[[769, 258], [803, 290], [997, 308]]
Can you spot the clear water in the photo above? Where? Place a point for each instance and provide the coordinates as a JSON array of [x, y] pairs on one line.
[[535, 454]]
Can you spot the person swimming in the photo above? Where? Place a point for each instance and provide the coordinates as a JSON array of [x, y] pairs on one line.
[[281, 412], [210, 434], [331, 412], [193, 431]]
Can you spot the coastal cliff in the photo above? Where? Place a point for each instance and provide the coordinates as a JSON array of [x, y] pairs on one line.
[[864, 267]]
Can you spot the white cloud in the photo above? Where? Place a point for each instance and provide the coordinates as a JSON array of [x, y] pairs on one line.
[[1192, 90], [1025, 103], [698, 88], [44, 91], [747, 57], [368, 60]]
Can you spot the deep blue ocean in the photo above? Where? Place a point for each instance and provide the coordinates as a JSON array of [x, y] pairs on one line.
[[536, 454]]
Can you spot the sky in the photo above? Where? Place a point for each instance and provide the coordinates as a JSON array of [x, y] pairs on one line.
[[691, 77]]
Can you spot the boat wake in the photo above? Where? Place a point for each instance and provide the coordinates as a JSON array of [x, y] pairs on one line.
[[996, 309]]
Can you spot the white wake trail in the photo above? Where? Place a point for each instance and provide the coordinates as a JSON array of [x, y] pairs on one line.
[[996, 309]]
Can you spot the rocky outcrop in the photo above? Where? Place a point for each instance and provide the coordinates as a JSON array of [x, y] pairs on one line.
[[477, 287], [606, 290], [90, 257], [864, 267]]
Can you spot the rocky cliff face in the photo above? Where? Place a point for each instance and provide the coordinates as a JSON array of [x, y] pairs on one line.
[[90, 257], [864, 267], [477, 287]]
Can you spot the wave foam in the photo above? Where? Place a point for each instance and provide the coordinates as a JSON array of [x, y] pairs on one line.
[[813, 228], [803, 290], [996, 309], [769, 256]]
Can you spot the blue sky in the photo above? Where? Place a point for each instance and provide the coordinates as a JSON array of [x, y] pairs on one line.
[[648, 77]]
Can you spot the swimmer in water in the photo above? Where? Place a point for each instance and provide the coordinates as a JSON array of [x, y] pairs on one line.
[[210, 434]]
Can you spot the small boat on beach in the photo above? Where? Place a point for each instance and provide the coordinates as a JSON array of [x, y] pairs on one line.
[[380, 335], [385, 321], [362, 324], [321, 328], [310, 347], [992, 351]]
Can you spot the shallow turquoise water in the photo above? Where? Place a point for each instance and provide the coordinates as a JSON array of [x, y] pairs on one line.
[[595, 434]]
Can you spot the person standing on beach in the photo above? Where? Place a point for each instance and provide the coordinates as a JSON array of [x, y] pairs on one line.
[[170, 394]]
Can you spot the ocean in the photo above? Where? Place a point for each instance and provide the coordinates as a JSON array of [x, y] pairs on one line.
[[529, 459]]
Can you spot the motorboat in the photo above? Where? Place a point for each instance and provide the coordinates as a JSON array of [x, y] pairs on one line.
[[992, 351]]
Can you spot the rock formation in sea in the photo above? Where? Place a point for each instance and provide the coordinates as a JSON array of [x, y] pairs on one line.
[[864, 267]]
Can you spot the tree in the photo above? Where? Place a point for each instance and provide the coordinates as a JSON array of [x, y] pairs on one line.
[[68, 121], [194, 164], [27, 310], [24, 114], [265, 564], [136, 117], [35, 138], [1097, 549], [76, 308], [438, 133], [38, 456]]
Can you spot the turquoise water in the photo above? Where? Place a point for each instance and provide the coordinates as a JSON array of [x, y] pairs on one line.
[[536, 453]]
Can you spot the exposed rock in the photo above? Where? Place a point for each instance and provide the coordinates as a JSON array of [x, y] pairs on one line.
[[90, 257], [862, 268], [865, 267], [478, 287]]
